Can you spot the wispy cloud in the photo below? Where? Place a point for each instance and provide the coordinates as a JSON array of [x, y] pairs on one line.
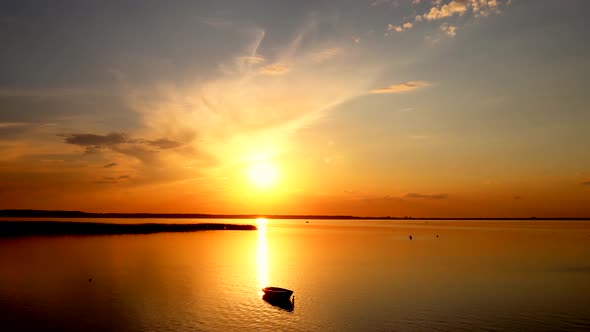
[[162, 143], [326, 54], [258, 98], [585, 183], [93, 142], [253, 59], [13, 124], [276, 69], [119, 142], [112, 179], [402, 87], [110, 165], [427, 196]]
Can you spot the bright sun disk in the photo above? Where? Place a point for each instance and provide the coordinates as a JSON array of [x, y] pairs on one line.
[[263, 174]]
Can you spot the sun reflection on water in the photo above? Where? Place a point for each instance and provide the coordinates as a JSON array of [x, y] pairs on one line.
[[262, 254]]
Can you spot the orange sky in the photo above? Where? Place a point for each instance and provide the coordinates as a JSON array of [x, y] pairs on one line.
[[420, 108]]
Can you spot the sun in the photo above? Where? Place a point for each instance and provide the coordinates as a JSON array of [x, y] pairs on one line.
[[263, 174]]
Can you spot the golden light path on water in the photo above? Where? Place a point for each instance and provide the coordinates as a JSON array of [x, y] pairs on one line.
[[262, 254]]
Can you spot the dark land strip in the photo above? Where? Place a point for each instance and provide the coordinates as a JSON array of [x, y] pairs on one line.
[[28, 228]]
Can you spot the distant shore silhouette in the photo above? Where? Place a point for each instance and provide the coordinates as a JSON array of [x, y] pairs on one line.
[[28, 228], [80, 214]]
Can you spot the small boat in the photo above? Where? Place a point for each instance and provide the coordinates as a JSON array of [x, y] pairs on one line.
[[277, 294]]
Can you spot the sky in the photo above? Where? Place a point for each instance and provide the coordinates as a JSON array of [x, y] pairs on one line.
[[425, 108]]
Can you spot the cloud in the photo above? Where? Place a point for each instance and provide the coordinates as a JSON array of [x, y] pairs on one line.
[[120, 142], [399, 28], [94, 142], [326, 54], [109, 165], [275, 69], [402, 87], [450, 9], [112, 179], [585, 183], [396, 28], [242, 110], [427, 196], [450, 30], [441, 11], [13, 124], [485, 7], [163, 143], [253, 59]]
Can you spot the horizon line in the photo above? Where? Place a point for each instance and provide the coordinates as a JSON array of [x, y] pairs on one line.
[[34, 213]]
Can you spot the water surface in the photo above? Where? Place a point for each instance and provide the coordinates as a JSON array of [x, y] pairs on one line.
[[348, 275]]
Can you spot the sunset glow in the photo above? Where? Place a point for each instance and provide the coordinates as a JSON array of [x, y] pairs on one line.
[[362, 165], [263, 174], [376, 108]]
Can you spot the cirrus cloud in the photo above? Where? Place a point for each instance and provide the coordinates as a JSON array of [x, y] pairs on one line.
[[276, 69], [402, 87]]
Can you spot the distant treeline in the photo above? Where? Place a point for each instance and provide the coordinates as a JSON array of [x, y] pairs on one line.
[[22, 228], [80, 214]]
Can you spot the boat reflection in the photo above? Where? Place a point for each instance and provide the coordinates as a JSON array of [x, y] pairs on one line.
[[285, 304]]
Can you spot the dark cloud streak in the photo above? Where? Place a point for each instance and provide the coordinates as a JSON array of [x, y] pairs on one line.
[[112, 179], [92, 141], [122, 143], [426, 196]]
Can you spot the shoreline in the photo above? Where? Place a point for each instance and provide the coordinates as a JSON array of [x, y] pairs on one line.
[[11, 213], [32, 228]]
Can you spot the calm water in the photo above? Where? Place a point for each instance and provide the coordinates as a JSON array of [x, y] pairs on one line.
[[347, 276]]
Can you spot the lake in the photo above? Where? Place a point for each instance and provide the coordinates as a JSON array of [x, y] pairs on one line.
[[348, 275]]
